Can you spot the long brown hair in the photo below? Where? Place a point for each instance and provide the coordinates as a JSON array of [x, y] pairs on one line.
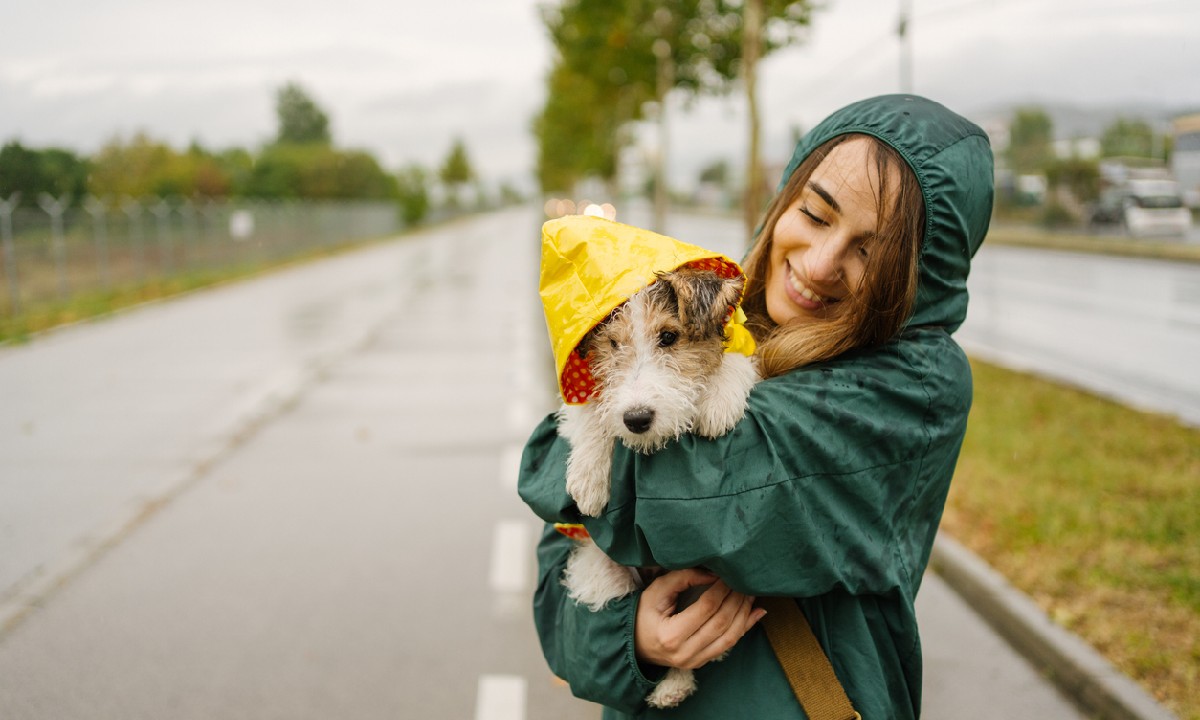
[[874, 312]]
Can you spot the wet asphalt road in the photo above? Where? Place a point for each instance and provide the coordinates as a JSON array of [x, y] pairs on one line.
[[294, 497], [1126, 328]]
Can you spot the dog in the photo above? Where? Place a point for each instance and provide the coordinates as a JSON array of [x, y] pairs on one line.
[[661, 370]]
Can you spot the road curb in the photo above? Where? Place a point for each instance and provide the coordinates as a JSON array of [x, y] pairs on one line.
[[1097, 687]]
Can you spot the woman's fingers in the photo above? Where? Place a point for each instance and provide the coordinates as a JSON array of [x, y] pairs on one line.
[[746, 617], [698, 634], [665, 589], [721, 630]]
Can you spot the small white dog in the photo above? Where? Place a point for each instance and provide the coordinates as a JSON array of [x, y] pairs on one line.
[[661, 370]]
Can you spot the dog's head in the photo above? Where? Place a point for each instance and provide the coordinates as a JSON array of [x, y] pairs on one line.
[[651, 358]]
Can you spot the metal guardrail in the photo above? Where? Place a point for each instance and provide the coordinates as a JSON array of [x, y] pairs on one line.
[[59, 250]]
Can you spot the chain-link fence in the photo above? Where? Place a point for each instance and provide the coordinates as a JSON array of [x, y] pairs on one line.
[[58, 251]]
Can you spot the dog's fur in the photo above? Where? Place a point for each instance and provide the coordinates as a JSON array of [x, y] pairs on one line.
[[660, 370]]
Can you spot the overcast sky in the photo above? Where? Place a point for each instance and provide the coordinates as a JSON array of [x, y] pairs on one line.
[[403, 78]]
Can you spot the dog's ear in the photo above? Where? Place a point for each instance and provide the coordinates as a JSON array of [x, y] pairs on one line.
[[705, 299]]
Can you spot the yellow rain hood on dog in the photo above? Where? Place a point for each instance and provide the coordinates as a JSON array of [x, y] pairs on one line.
[[590, 266]]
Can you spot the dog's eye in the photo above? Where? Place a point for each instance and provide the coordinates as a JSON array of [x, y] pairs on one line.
[[613, 343], [666, 338]]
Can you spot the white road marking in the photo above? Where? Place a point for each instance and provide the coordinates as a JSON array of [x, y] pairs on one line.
[[511, 544], [501, 697]]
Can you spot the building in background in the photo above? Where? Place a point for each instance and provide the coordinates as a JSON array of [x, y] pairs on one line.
[[1185, 157]]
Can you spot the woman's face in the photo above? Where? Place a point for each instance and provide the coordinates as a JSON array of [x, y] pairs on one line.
[[822, 241]]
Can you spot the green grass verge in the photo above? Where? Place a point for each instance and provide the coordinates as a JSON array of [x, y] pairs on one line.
[[1093, 510], [1119, 245], [39, 316]]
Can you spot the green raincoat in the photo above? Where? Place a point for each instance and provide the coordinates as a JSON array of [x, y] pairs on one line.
[[830, 490]]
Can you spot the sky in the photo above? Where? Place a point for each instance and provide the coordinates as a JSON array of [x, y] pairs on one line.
[[403, 78]]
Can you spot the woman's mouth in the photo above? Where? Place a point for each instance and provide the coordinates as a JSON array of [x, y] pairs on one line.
[[801, 294]]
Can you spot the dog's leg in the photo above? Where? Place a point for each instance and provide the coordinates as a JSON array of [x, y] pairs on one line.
[[590, 462], [673, 689], [593, 579], [723, 403]]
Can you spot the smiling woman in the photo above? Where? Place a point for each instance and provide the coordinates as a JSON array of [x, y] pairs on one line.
[[829, 491], [836, 265]]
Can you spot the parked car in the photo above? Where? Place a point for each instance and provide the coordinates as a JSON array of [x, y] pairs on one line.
[[1145, 203]]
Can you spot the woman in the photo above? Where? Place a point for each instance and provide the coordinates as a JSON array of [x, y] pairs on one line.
[[831, 488]]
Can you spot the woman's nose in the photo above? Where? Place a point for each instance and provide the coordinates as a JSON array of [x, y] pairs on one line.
[[825, 261]]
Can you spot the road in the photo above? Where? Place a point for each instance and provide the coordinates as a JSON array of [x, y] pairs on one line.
[[294, 497], [1121, 327]]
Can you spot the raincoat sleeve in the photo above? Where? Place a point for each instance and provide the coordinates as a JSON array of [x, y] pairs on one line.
[[835, 478], [592, 651]]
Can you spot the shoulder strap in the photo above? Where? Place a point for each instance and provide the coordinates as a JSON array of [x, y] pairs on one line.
[[808, 670]]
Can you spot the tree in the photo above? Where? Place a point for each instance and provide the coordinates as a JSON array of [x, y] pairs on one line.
[[606, 58], [1129, 138], [318, 172], [456, 170], [32, 172], [413, 194], [301, 120], [138, 168], [1030, 136]]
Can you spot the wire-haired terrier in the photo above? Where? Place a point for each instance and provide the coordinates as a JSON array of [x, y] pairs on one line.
[[661, 370]]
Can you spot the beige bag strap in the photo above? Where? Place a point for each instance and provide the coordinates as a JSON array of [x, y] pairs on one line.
[[808, 670]]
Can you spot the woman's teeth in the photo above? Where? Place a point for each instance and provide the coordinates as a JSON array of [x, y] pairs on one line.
[[804, 292]]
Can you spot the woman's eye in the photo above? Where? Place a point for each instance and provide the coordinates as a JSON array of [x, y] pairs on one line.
[[816, 220], [863, 252], [666, 338]]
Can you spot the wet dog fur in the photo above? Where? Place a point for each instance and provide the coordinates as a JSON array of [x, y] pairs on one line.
[[661, 370]]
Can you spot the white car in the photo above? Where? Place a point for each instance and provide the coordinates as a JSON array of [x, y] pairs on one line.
[[1155, 207]]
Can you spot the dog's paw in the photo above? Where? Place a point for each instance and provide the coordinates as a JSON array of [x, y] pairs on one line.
[[716, 419], [590, 492], [674, 688]]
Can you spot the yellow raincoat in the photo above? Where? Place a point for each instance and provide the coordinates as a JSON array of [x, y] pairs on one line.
[[590, 266]]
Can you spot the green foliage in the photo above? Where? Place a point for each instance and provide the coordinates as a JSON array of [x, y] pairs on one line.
[[606, 70], [138, 168], [716, 173], [32, 172], [413, 194], [456, 170], [317, 172], [301, 120], [1079, 175], [1030, 136], [1129, 138]]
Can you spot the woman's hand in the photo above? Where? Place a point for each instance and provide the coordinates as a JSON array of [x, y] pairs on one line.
[[702, 632]]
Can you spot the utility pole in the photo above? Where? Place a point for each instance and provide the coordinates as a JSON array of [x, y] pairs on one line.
[[751, 50], [903, 30], [665, 67]]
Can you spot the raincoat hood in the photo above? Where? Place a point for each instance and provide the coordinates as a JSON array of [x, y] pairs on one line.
[[590, 266], [956, 179]]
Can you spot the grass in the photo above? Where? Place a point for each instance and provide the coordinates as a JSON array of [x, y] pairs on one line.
[[1119, 245], [40, 315], [1093, 510]]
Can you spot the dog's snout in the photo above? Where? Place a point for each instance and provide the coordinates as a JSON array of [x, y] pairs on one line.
[[639, 421]]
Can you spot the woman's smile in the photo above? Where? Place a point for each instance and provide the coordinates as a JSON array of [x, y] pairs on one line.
[[802, 294]]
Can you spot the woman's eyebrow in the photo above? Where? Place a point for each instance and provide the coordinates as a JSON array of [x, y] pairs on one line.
[[816, 187]]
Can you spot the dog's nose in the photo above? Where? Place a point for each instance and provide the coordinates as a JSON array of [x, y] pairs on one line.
[[639, 421]]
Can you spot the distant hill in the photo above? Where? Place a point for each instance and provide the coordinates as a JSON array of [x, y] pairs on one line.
[[1073, 120]]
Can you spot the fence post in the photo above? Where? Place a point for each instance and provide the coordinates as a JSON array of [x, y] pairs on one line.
[[133, 210], [99, 212], [10, 252], [187, 211], [162, 211], [55, 207]]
